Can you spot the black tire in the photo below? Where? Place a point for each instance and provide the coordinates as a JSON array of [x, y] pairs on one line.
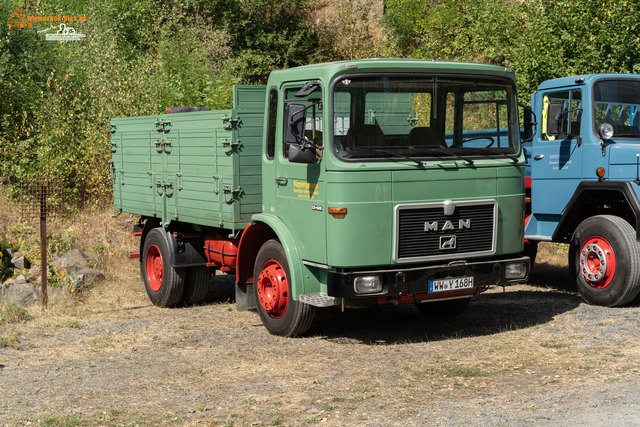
[[604, 259], [196, 285], [447, 309], [280, 314], [164, 283]]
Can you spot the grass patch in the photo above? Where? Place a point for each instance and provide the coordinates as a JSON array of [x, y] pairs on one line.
[[9, 341], [459, 371], [12, 312], [554, 345]]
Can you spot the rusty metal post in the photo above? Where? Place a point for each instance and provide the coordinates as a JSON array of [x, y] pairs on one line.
[[41, 195], [43, 245]]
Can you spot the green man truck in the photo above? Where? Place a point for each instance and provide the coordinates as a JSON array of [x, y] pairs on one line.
[[340, 184]]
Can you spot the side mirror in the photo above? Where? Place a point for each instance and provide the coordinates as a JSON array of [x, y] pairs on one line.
[[296, 119], [555, 119], [529, 119], [299, 154]]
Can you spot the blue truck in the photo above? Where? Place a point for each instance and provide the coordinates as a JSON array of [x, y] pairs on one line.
[[582, 166]]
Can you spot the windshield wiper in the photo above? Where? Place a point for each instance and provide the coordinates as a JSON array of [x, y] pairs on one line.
[[380, 150], [446, 153], [499, 153]]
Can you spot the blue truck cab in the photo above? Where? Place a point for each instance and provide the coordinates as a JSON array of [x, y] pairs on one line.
[[582, 165]]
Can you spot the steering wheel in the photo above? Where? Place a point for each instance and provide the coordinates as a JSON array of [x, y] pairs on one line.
[[479, 137]]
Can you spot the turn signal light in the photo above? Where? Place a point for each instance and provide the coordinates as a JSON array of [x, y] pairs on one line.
[[600, 172], [338, 213]]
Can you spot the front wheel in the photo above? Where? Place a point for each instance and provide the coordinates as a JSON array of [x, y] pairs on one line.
[[279, 312], [604, 258]]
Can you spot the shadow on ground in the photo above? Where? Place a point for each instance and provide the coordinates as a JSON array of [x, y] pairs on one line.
[[221, 289], [552, 276], [487, 314]]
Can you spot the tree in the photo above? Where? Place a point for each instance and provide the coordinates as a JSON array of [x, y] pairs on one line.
[[571, 37]]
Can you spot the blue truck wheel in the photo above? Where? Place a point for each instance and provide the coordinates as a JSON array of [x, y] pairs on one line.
[[605, 260], [279, 312]]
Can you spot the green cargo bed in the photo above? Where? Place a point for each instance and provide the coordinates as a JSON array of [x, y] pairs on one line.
[[198, 167]]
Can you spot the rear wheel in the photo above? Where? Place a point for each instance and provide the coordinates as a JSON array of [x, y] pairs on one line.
[[196, 284], [604, 258], [447, 309], [280, 314], [164, 283]]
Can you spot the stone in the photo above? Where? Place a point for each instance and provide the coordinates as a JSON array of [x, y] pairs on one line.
[[27, 294], [8, 253], [73, 261], [21, 292], [20, 262]]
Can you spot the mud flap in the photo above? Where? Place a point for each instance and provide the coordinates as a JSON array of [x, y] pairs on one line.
[[244, 297]]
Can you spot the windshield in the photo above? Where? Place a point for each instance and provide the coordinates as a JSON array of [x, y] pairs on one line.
[[395, 117], [617, 102]]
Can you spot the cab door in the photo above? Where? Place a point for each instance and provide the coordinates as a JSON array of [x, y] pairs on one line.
[[556, 160], [300, 187]]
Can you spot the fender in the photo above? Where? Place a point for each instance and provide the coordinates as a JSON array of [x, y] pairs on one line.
[[149, 224], [189, 254], [262, 228], [584, 191]]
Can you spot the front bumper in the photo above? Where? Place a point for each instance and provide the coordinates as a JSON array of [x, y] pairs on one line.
[[411, 281]]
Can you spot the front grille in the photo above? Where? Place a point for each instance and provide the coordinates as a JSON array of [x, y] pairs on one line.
[[469, 230]]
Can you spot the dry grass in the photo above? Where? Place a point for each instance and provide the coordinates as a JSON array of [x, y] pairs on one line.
[[122, 361]]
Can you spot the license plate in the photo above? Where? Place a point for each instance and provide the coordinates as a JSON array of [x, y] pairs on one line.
[[450, 285]]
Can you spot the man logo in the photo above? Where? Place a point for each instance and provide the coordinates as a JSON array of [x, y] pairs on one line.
[[447, 242], [448, 225]]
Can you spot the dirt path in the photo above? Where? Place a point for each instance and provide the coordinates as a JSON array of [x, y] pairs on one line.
[[526, 356]]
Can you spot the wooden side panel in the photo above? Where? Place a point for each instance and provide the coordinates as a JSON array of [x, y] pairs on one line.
[[202, 167]]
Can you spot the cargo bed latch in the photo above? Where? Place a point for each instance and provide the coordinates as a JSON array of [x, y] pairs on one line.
[[232, 145], [230, 121], [234, 192]]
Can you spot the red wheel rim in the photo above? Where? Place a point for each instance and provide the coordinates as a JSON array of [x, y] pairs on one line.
[[155, 268], [273, 289], [597, 262]]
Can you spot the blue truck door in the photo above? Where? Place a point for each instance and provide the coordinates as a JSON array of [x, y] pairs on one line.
[[556, 162]]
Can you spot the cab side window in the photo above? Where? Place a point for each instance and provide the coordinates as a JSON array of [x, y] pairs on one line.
[[271, 124], [571, 101], [313, 123]]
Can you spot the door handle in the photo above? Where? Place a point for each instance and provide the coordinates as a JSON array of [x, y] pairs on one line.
[[282, 181], [539, 156]]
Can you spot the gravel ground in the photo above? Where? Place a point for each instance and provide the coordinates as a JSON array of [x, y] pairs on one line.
[[529, 355]]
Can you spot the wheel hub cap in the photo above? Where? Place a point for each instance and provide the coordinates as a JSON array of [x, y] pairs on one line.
[[155, 268], [273, 289], [593, 262], [597, 262]]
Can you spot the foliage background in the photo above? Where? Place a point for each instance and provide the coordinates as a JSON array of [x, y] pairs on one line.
[[139, 57]]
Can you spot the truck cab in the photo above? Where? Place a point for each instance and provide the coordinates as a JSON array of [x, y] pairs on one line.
[[582, 167], [412, 188]]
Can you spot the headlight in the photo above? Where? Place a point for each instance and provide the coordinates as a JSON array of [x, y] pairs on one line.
[[605, 131], [515, 270], [367, 284]]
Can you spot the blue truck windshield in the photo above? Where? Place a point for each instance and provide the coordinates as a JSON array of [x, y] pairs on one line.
[[617, 102], [386, 117]]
